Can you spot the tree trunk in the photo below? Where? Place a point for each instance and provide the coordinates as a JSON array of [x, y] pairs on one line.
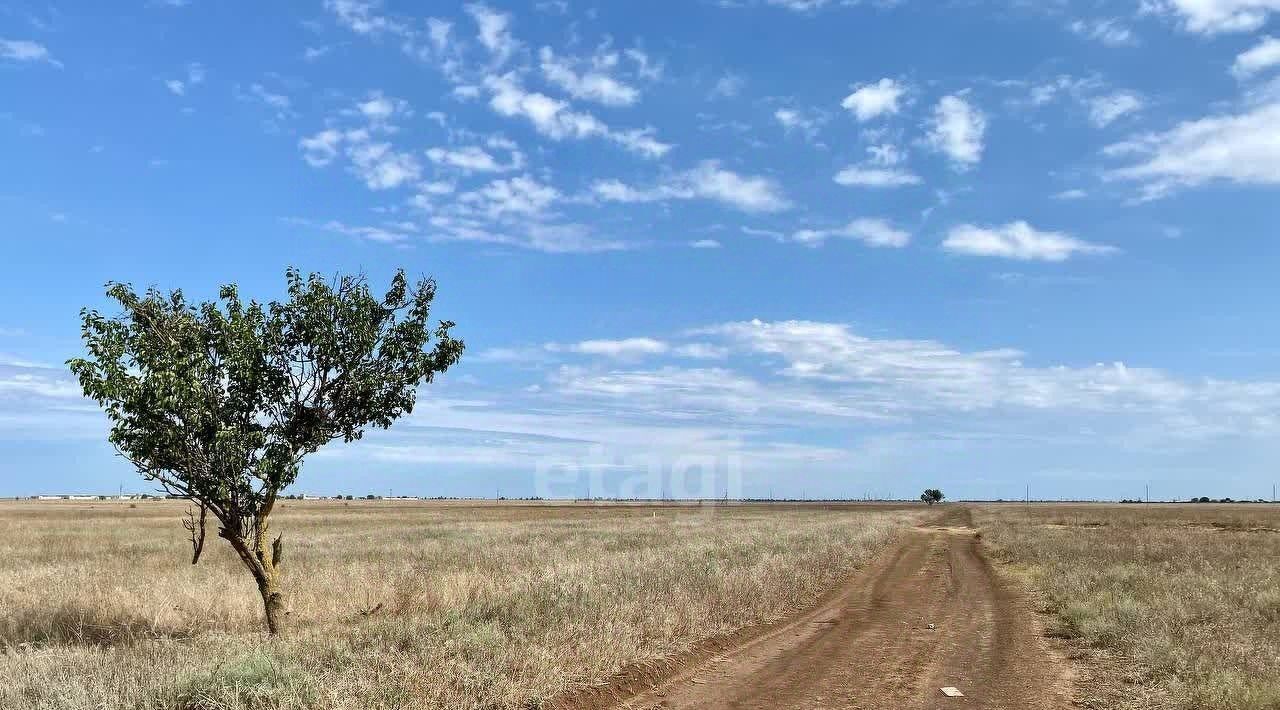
[[263, 561], [269, 561], [273, 606]]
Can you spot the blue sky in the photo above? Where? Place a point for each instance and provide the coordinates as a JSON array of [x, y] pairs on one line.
[[812, 247]]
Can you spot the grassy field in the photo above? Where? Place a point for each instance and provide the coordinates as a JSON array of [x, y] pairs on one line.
[[396, 604], [1170, 606]]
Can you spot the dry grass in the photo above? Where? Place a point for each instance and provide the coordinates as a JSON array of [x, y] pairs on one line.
[[1178, 606], [478, 606]]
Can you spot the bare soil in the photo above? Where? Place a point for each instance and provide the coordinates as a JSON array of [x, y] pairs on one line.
[[928, 613]]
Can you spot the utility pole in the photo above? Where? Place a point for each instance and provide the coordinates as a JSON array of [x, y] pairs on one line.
[[1148, 492]]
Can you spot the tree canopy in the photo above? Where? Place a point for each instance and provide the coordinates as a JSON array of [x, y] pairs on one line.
[[932, 495], [219, 401]]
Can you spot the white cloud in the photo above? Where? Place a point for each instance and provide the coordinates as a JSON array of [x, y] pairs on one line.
[[520, 195], [194, 76], [321, 148], [1072, 194], [704, 244], [378, 109], [646, 68], [21, 50], [870, 231], [923, 375], [869, 101], [881, 170], [1241, 148], [1110, 32], [381, 166], [709, 181], [1263, 55], [799, 5], [957, 131], [439, 33], [1019, 241], [859, 176], [590, 85], [382, 235], [1104, 110], [627, 348], [799, 121], [701, 351], [474, 159], [494, 32], [363, 18], [728, 86], [557, 120], [1216, 16]]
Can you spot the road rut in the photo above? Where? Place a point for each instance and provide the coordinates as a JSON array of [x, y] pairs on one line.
[[871, 644]]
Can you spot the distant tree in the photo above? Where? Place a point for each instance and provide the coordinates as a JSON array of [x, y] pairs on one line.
[[931, 496], [218, 402]]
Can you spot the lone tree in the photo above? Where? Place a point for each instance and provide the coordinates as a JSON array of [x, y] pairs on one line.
[[218, 402], [932, 495]]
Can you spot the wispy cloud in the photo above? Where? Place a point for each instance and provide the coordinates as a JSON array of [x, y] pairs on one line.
[[708, 181], [1019, 241], [23, 50]]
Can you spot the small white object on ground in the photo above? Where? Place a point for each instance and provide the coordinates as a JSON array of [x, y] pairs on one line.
[[930, 627], [952, 692]]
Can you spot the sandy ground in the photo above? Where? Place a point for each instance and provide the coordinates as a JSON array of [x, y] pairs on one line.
[[929, 613]]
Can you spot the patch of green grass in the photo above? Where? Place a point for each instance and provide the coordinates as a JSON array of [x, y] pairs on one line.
[[257, 679]]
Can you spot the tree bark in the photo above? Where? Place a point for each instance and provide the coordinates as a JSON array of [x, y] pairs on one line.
[[263, 561], [273, 607]]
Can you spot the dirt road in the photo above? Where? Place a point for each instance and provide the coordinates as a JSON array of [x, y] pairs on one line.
[[871, 644]]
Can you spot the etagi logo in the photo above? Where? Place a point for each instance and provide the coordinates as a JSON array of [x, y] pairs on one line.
[[600, 475]]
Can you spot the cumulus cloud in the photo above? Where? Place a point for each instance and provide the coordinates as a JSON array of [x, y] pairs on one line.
[[194, 75], [22, 50], [795, 120], [870, 101], [321, 148], [1019, 241], [1263, 55], [590, 85], [957, 131], [1215, 16], [882, 169], [708, 181], [1104, 110], [1240, 148], [626, 348], [1111, 32], [873, 232], [474, 159], [364, 17], [494, 30], [380, 166], [921, 375], [557, 120]]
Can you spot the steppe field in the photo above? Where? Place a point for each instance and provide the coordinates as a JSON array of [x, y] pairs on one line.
[[397, 604], [527, 605], [1161, 606]]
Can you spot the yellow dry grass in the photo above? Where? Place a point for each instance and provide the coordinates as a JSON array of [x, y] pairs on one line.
[[1171, 606], [396, 605]]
